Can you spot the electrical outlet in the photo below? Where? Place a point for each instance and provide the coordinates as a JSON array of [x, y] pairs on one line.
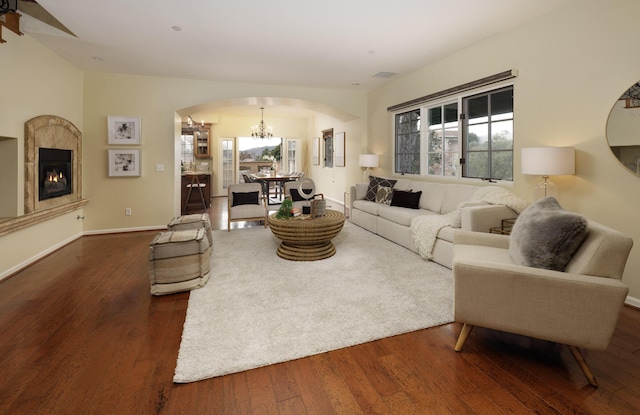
[[159, 167], [127, 211]]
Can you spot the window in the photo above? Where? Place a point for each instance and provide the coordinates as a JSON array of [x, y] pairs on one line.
[[327, 138], [474, 132], [407, 145], [443, 140], [488, 135]]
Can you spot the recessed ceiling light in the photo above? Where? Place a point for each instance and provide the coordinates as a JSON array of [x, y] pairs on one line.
[[176, 28], [385, 75], [97, 58]]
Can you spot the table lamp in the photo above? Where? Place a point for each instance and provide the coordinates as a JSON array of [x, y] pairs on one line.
[[368, 161], [545, 162]]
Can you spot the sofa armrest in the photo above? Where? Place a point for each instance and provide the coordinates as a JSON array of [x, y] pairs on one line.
[[482, 218], [573, 309], [462, 237], [357, 192]]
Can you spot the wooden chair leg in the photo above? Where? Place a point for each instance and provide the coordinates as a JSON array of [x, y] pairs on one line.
[[464, 334], [577, 354]]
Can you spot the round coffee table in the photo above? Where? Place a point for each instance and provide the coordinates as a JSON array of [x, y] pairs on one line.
[[305, 239]]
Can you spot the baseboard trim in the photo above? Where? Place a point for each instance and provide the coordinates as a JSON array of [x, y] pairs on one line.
[[125, 230], [9, 272], [633, 302]]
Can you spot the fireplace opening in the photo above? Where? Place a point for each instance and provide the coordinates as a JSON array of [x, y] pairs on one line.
[[54, 173]]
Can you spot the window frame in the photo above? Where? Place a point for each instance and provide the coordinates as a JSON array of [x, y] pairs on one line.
[[328, 147], [441, 101]]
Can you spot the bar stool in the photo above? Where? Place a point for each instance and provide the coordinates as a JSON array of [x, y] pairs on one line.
[[195, 183]]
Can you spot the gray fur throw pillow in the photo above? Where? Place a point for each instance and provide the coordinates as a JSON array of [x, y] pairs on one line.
[[546, 236]]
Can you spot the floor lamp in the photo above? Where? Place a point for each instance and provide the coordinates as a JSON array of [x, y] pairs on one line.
[[545, 162], [368, 161]]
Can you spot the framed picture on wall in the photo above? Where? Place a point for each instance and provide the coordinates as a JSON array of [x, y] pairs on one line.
[[123, 130], [338, 149], [124, 162]]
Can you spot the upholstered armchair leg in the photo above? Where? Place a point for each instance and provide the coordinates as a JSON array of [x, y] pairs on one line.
[[577, 354], [464, 334]]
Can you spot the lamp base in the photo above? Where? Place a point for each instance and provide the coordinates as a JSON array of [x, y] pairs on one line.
[[366, 175], [545, 188]]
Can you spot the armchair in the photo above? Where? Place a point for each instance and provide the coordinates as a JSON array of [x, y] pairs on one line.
[[246, 201], [291, 191], [578, 307]]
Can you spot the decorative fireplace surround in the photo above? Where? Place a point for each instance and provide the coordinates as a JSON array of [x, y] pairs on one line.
[[49, 131]]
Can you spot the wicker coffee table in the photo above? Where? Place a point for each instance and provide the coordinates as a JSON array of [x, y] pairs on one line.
[[306, 239]]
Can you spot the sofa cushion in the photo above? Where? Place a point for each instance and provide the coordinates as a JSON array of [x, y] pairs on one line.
[[374, 182], [406, 199], [403, 184], [399, 215], [546, 236], [446, 234], [454, 194], [366, 206], [432, 194], [384, 195]]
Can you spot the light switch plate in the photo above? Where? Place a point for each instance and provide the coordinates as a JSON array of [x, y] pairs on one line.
[[159, 167]]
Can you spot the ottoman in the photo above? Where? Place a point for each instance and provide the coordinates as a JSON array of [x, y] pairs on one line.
[[179, 261], [195, 221]]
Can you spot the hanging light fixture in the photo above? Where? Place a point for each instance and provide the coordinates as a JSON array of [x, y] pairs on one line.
[[261, 130]]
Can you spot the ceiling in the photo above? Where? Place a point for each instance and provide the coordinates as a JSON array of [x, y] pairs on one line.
[[325, 44]]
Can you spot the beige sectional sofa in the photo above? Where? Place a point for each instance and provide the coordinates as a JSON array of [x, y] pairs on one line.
[[456, 205]]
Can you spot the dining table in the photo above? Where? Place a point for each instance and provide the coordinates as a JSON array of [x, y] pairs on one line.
[[278, 180]]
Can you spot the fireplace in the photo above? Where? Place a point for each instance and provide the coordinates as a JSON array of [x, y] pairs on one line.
[[54, 173], [52, 164]]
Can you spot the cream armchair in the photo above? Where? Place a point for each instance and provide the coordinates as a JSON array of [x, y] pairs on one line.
[[298, 201], [578, 307], [246, 201]]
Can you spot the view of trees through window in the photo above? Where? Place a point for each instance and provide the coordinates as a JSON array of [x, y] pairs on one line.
[[489, 135], [260, 149], [474, 132]]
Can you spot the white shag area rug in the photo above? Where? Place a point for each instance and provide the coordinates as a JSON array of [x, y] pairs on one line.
[[258, 309]]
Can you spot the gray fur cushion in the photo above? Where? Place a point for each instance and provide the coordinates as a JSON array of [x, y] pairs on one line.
[[546, 236]]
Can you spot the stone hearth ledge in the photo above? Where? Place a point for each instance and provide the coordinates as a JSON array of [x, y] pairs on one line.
[[30, 219]]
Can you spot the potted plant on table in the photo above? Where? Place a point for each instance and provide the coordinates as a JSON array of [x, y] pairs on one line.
[[285, 209]]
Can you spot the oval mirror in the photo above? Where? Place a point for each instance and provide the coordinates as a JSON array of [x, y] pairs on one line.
[[308, 185], [623, 129]]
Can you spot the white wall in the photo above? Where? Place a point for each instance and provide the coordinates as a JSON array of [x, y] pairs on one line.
[[573, 65]]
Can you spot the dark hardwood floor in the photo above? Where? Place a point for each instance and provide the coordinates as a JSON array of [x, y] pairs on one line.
[[82, 335]]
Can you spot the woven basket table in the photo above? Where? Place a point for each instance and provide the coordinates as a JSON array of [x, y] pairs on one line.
[[306, 239]]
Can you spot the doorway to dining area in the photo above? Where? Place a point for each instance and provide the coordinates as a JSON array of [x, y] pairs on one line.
[[267, 157]]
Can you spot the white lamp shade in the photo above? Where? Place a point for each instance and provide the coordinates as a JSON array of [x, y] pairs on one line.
[[369, 160], [548, 161]]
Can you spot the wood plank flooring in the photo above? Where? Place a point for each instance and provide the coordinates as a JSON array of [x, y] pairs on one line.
[[80, 334]]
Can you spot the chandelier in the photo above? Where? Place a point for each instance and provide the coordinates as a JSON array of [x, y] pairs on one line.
[[261, 130]]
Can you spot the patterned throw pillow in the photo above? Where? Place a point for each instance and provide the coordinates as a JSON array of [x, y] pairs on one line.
[[374, 182], [384, 195]]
